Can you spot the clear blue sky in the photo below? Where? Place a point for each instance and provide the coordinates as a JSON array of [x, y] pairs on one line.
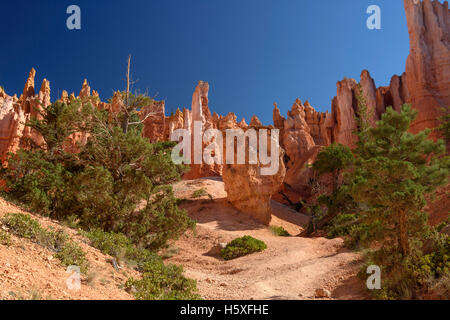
[[252, 52]]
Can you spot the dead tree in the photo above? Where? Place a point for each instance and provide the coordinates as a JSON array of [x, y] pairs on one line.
[[134, 102]]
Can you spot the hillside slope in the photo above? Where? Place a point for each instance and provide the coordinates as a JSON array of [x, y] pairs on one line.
[[29, 271]]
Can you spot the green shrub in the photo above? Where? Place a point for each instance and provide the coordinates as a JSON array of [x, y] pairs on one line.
[[359, 235], [341, 225], [160, 282], [279, 231], [423, 273], [120, 247], [242, 246], [118, 182], [113, 244], [68, 252], [73, 255], [53, 240], [5, 238], [199, 193], [22, 225]]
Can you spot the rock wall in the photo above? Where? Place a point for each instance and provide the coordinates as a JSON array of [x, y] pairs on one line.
[[428, 64]]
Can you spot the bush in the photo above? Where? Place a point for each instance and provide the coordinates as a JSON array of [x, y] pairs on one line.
[[423, 273], [113, 244], [68, 252], [72, 254], [341, 225], [160, 282], [117, 182], [279, 231], [22, 225], [120, 247], [359, 236], [5, 238], [53, 240], [199, 193], [242, 246]]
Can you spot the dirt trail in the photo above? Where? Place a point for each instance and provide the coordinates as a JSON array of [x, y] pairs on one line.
[[291, 267]]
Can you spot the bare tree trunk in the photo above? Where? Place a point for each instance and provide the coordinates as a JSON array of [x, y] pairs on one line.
[[403, 234], [126, 116], [336, 175]]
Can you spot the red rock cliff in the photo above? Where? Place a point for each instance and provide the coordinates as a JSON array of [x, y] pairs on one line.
[[428, 64]]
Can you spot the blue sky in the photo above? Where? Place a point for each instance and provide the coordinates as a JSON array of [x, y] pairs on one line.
[[252, 52]]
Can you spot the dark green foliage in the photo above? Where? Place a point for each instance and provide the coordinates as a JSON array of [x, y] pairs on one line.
[[423, 273], [341, 225], [59, 121], [333, 159], [117, 182], [279, 231], [241, 247], [160, 282], [122, 248], [393, 175], [393, 172], [445, 124], [37, 182], [199, 193]]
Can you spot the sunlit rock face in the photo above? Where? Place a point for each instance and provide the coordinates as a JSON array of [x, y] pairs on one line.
[[12, 118], [154, 121], [428, 64], [14, 113], [248, 189], [299, 146]]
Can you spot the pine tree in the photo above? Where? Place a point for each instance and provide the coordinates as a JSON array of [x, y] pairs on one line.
[[333, 160], [394, 171], [118, 181]]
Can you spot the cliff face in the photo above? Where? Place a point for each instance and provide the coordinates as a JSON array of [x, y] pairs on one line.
[[428, 64], [15, 112]]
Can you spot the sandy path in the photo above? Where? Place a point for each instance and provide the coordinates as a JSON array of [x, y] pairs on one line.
[[291, 267]]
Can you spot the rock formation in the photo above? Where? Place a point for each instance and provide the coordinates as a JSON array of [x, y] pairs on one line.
[[425, 84], [155, 124], [428, 64], [14, 113], [299, 146], [248, 189]]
